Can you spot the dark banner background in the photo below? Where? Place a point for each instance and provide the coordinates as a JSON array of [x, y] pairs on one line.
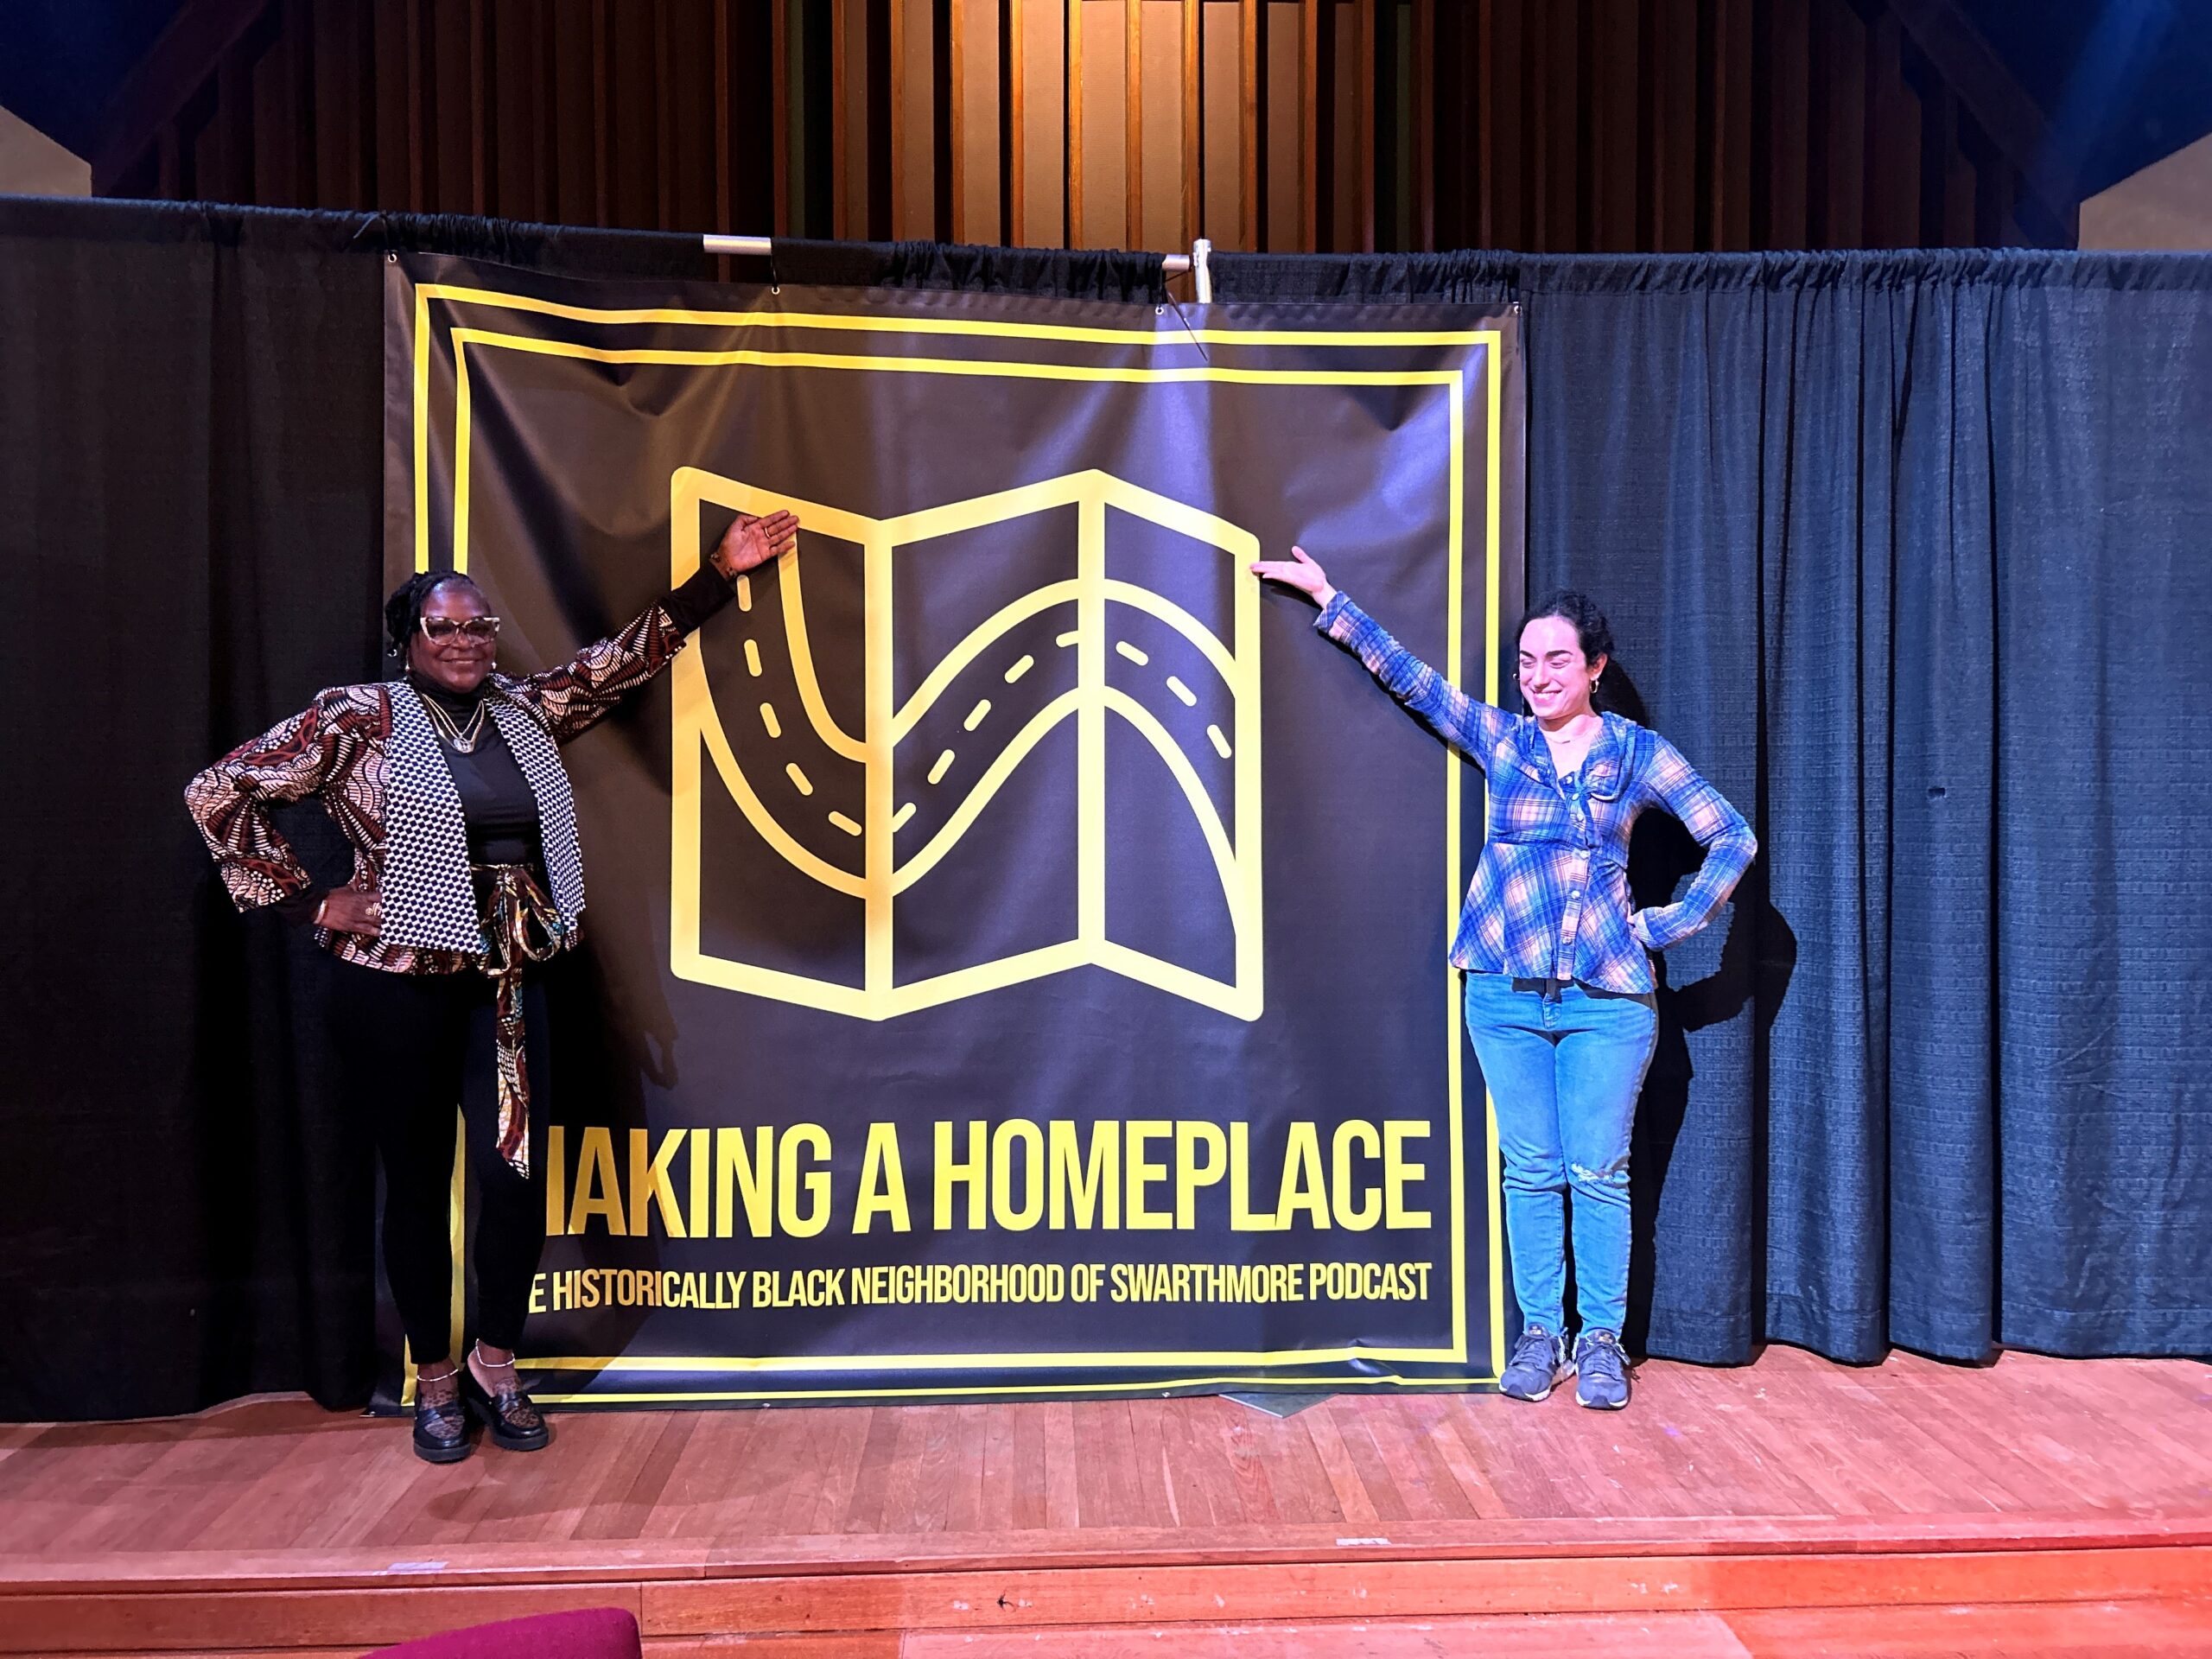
[[1907, 552], [569, 469]]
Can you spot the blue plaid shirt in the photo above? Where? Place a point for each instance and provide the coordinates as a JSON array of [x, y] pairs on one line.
[[1550, 897]]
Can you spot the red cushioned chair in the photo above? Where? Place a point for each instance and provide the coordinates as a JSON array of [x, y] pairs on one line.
[[595, 1633]]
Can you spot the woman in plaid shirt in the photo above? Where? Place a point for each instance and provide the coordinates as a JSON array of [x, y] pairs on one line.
[[1559, 987]]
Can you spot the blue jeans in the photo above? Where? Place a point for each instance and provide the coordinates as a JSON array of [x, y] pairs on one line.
[[1564, 1067]]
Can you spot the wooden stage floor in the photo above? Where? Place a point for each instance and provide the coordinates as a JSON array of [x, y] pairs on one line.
[[1793, 1507]]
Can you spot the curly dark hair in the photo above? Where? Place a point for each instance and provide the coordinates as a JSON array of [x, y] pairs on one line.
[[403, 611], [1591, 628]]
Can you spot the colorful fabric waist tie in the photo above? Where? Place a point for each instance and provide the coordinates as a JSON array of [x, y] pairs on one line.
[[521, 928]]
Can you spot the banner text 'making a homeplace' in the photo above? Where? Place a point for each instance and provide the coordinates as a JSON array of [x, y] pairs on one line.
[[1136, 1174]]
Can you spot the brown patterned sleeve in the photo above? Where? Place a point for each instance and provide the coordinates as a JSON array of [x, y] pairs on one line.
[[573, 697], [231, 800]]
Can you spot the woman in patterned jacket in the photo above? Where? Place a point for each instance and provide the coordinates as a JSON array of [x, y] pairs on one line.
[[1559, 987], [467, 872]]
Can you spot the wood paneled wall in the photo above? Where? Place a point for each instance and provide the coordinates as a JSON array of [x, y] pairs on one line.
[[1544, 125]]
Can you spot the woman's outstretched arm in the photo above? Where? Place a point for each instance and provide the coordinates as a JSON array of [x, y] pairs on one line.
[[574, 697], [1471, 727]]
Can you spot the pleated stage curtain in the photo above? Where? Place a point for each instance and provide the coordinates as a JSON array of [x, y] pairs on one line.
[[1917, 553], [1911, 554]]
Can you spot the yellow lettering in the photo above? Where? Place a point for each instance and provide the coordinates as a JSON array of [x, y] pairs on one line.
[[802, 1224], [1302, 1188], [650, 1184], [739, 1171], [949, 1171], [556, 1180], [1241, 1217], [1087, 1188], [702, 1157], [1398, 1174], [1142, 1131], [599, 1189], [1031, 1208], [1190, 1174], [1358, 1217], [883, 1181]]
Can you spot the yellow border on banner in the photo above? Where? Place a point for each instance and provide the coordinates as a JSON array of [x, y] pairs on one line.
[[1491, 339], [1270, 1380]]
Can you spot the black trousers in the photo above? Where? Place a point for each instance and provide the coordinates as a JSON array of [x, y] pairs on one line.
[[414, 1046]]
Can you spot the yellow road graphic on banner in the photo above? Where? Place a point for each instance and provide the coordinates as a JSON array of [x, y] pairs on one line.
[[1233, 846]]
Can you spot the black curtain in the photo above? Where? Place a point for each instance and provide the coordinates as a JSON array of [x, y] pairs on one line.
[[1909, 553], [188, 518], [190, 501], [191, 509]]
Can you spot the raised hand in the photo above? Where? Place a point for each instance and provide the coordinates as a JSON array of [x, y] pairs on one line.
[[1298, 571], [752, 541]]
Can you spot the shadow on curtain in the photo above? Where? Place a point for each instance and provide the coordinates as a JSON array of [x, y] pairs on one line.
[[1912, 556]]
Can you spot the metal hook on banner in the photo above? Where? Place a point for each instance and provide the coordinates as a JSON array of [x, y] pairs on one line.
[[751, 247], [1198, 264], [1197, 261]]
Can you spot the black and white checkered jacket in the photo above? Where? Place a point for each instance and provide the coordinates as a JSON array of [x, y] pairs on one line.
[[370, 753]]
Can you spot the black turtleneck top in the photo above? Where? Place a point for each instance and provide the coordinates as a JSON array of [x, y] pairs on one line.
[[495, 798]]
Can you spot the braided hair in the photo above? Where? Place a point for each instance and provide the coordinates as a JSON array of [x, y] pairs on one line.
[[403, 612]]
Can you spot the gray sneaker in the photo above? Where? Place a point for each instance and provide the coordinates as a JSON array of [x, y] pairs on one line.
[[1539, 1361], [1600, 1371]]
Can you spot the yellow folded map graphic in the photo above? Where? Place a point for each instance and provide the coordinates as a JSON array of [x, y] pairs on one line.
[[844, 822]]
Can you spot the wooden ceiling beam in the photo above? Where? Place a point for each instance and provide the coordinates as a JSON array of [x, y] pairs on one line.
[[182, 60], [2016, 123]]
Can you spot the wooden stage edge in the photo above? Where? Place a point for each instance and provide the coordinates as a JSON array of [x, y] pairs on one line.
[[2046, 1506], [841, 1594], [852, 1588]]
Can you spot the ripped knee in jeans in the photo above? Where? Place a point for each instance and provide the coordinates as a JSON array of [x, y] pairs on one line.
[[1612, 1178]]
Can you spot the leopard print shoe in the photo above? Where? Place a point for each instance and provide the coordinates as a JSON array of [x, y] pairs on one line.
[[508, 1414], [442, 1431]]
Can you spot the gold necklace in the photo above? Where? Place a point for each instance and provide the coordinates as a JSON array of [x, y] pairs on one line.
[[464, 742]]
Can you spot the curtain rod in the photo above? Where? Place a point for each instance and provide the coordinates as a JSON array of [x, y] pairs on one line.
[[1197, 261]]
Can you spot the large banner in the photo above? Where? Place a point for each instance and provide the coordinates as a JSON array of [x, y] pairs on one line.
[[1015, 955]]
